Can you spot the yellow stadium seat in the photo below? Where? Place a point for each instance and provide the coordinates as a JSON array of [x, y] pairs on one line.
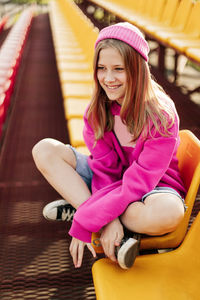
[[75, 128], [167, 17], [68, 43], [66, 76], [189, 166], [83, 150], [81, 90], [71, 57], [147, 11], [73, 36], [73, 66], [137, 6], [166, 276], [162, 21], [153, 12], [66, 50], [126, 10], [82, 27], [181, 45], [193, 53], [190, 37], [178, 23], [75, 107]]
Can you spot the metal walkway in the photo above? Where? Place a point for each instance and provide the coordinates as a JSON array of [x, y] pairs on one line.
[[34, 259]]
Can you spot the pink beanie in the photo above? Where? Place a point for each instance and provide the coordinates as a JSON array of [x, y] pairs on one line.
[[128, 34]]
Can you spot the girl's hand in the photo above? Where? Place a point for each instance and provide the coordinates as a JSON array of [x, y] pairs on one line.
[[77, 249], [111, 237]]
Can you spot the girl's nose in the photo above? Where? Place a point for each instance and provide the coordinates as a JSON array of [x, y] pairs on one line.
[[109, 76]]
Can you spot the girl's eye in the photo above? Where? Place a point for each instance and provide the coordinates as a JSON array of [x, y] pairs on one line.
[[100, 68], [119, 69]]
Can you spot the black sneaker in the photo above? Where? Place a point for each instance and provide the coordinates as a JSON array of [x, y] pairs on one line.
[[59, 210], [127, 251]]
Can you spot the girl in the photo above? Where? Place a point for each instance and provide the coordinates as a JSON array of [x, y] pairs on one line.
[[131, 181]]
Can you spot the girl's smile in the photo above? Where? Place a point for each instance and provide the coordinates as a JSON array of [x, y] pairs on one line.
[[111, 74]]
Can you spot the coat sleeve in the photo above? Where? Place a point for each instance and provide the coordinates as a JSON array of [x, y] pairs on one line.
[[142, 176]]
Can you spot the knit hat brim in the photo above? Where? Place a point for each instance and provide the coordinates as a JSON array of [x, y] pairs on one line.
[[128, 34]]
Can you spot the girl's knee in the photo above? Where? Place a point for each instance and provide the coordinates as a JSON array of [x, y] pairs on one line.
[[49, 151], [168, 217], [158, 215], [174, 216], [42, 151]]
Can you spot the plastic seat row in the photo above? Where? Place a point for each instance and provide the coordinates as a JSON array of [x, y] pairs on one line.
[[74, 36], [172, 23], [10, 55], [3, 22]]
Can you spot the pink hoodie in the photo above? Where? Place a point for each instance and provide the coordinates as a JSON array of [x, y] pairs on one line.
[[123, 175]]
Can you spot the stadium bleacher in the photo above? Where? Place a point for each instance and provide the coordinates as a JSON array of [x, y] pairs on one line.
[[163, 24], [10, 55], [52, 78]]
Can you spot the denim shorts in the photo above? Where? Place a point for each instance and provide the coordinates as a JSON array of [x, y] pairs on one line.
[[83, 169]]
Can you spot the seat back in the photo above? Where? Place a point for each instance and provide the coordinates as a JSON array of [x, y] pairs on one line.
[[181, 15], [158, 9], [189, 162], [192, 27], [135, 5], [171, 275], [169, 11], [190, 247], [188, 155], [189, 165], [140, 6], [82, 27], [148, 8]]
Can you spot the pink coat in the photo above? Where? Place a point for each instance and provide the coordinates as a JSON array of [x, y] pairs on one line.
[[124, 174]]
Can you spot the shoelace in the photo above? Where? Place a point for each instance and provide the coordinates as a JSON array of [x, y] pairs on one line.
[[70, 215], [68, 210]]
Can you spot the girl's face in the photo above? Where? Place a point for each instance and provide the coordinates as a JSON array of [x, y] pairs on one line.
[[111, 74]]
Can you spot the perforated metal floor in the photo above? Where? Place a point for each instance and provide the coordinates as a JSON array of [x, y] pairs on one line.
[[34, 257]]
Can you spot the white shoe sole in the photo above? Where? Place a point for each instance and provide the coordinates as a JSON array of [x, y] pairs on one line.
[[50, 206], [127, 253]]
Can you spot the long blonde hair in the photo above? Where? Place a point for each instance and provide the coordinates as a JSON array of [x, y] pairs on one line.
[[141, 104]]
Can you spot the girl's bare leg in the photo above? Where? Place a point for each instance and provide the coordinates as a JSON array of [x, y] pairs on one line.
[[57, 163], [159, 214]]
